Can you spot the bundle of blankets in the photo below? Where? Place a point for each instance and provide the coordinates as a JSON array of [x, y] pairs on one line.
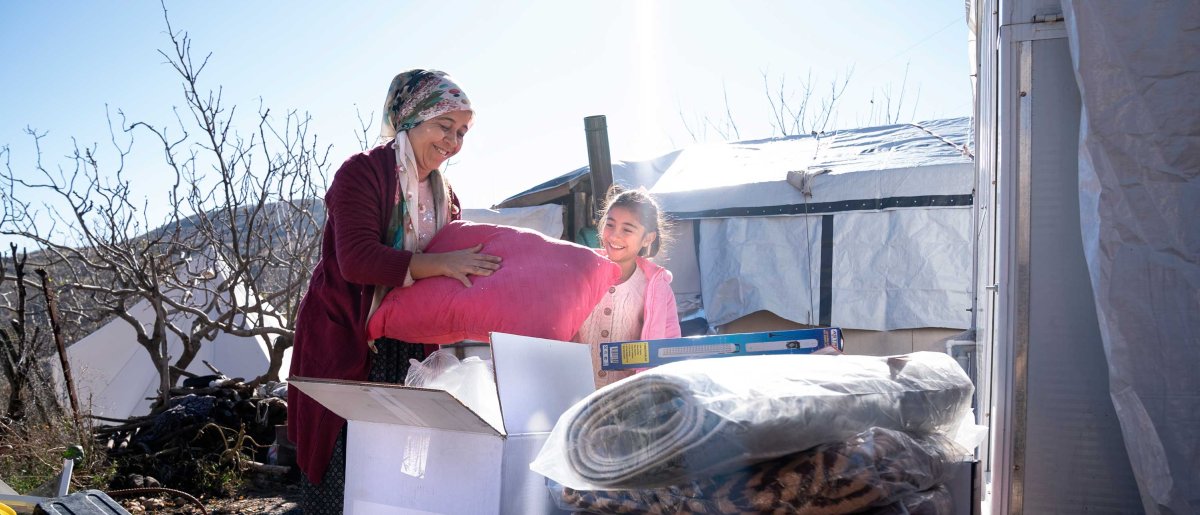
[[777, 434]]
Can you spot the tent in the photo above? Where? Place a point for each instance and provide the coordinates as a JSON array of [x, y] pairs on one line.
[[547, 219], [875, 201], [866, 229], [115, 378]]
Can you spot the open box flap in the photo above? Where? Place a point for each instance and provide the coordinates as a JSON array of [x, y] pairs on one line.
[[538, 379], [393, 404]]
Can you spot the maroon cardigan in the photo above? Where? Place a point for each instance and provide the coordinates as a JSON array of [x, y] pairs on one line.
[[331, 337]]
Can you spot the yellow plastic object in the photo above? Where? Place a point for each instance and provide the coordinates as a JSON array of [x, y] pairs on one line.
[[5, 510]]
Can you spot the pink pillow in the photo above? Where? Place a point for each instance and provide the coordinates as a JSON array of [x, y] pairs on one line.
[[545, 288]]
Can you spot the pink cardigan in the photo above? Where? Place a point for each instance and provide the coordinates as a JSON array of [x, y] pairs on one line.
[[660, 318]]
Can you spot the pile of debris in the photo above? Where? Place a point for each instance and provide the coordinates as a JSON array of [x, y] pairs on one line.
[[214, 432]]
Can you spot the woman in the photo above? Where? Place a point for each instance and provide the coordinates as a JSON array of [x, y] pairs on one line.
[[382, 208]]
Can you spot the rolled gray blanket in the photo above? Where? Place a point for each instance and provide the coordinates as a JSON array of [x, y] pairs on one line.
[[694, 419]]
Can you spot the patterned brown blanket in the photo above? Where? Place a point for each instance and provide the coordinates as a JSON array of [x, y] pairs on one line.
[[876, 469]]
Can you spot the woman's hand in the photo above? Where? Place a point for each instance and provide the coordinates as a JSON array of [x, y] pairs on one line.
[[458, 264]]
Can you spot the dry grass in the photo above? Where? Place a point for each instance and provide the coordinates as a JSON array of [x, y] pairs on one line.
[[33, 454]]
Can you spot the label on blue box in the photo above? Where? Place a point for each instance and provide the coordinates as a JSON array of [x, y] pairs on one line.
[[650, 353]]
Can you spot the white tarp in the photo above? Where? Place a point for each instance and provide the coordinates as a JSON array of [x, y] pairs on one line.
[[546, 219], [897, 200], [920, 159], [1137, 65], [115, 378]]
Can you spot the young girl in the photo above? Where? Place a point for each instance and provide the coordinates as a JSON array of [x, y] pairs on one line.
[[641, 306]]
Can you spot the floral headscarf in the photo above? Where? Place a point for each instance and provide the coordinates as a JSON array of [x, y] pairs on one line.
[[418, 95]]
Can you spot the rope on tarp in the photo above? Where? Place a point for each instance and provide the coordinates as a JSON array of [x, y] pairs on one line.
[[961, 148]]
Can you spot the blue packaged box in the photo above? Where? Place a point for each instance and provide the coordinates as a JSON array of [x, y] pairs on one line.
[[651, 353]]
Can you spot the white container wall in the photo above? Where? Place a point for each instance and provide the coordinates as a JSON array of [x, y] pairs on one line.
[[1062, 346]]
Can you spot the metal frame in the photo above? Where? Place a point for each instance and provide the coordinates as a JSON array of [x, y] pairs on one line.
[[1011, 332], [1008, 336], [1020, 341], [985, 308]]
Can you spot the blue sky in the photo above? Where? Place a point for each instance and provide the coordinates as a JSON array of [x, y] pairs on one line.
[[534, 69]]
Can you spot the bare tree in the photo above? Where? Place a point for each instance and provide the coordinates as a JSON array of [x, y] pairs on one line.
[[792, 114], [261, 218], [233, 253], [97, 240], [799, 108], [726, 127], [888, 110], [17, 357], [22, 344], [363, 135]]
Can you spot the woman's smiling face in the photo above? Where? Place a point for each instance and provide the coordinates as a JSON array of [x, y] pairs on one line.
[[434, 140]]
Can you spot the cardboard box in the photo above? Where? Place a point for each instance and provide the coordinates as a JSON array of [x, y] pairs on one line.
[[651, 353], [413, 450]]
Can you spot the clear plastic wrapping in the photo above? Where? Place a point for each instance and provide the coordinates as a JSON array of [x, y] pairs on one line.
[[471, 380], [423, 374], [879, 470], [695, 419], [934, 501]]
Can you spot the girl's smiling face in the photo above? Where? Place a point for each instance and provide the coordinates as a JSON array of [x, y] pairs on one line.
[[624, 236], [435, 140]]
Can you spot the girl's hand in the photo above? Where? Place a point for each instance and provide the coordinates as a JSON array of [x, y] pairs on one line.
[[458, 264]]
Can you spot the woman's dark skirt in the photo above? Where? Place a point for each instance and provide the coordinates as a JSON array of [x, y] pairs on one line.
[[389, 365]]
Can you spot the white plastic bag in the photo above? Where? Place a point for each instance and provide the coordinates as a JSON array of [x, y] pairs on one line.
[[471, 381], [421, 374]]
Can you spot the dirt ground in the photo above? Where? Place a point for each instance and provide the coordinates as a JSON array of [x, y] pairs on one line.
[[253, 500]]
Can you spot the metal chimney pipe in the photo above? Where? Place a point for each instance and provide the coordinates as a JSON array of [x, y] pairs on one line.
[[599, 162]]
